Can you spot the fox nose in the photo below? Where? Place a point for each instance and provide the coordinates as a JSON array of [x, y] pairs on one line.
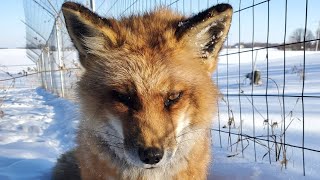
[[150, 155]]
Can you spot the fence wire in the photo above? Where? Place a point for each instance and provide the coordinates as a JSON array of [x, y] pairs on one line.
[[265, 70]]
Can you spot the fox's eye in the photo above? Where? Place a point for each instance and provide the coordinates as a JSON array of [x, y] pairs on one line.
[[172, 98], [120, 97]]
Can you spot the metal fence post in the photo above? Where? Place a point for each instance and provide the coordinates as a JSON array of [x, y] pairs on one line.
[[50, 69], [43, 70], [61, 65], [38, 70], [318, 36], [93, 5]]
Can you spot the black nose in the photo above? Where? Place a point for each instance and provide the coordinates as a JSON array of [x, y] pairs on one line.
[[150, 155]]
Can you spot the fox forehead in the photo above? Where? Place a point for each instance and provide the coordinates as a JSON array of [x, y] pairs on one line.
[[148, 74], [150, 56], [147, 49], [149, 32]]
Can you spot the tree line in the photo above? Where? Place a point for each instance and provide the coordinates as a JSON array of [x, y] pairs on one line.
[[296, 41]]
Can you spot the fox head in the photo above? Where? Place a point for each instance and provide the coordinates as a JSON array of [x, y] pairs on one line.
[[147, 94]]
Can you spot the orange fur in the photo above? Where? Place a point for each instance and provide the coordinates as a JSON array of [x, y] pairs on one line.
[[147, 84]]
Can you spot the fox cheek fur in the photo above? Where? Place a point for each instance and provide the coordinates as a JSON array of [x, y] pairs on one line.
[[147, 98]]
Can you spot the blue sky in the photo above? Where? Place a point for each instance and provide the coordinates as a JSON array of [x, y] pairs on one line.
[[295, 19], [13, 30]]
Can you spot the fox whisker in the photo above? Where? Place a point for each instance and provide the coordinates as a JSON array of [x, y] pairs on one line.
[[102, 132], [110, 145], [192, 131], [192, 139]]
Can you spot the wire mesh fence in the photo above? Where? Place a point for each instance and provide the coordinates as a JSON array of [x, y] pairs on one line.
[[267, 71], [19, 76], [47, 37]]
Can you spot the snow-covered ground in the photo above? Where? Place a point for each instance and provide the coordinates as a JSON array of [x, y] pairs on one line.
[[36, 126], [290, 118], [12, 59], [15, 63], [35, 129]]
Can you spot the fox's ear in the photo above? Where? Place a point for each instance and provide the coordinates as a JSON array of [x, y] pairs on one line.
[[206, 32], [89, 32]]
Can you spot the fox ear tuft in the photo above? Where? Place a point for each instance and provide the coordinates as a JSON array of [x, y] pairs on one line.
[[89, 32], [206, 32]]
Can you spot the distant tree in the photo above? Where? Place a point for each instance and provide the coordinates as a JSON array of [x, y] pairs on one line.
[[255, 44], [298, 36], [318, 33], [33, 46], [318, 37]]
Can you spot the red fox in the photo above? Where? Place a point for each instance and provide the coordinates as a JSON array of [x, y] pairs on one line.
[[147, 98]]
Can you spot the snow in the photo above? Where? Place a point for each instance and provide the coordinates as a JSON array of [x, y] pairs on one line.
[[237, 168], [10, 58], [258, 113], [37, 126], [14, 63]]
